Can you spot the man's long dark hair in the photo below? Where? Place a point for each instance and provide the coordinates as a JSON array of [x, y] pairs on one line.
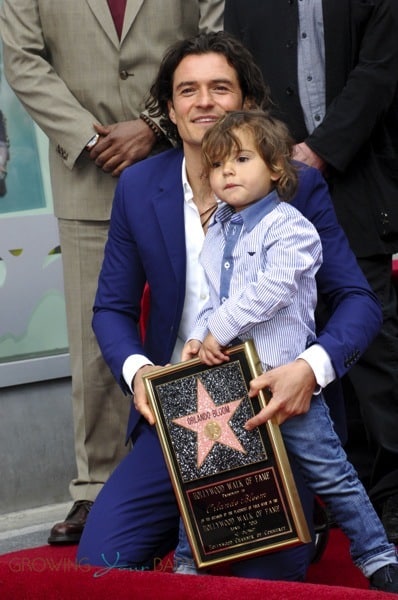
[[238, 57]]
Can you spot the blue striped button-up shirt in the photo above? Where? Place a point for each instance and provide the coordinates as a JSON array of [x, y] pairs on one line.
[[260, 265]]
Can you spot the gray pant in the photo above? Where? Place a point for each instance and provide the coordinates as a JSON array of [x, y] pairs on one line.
[[100, 410]]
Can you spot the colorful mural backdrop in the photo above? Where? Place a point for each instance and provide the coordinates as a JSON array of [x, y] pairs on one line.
[[32, 308]]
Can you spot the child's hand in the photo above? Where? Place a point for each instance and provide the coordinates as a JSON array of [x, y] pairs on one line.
[[211, 352], [191, 350]]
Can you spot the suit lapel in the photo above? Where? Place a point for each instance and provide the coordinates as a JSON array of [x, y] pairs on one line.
[[101, 11], [168, 205], [132, 8]]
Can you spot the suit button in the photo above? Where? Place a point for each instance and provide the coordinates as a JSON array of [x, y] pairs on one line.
[[289, 91], [123, 74]]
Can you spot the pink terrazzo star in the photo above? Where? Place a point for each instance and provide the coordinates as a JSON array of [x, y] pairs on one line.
[[211, 423]]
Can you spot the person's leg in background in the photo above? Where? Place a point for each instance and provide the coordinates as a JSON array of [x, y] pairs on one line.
[[100, 409], [375, 382]]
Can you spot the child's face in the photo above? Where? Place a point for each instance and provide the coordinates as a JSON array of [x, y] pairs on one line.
[[242, 178]]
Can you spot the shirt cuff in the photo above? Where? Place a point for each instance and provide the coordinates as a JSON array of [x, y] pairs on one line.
[[319, 361], [131, 366], [91, 142]]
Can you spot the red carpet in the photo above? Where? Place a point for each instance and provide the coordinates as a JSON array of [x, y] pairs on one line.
[[48, 573]]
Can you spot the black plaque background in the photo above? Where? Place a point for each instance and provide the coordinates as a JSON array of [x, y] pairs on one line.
[[235, 505]]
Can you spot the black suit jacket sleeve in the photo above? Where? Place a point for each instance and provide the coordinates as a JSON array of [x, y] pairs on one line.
[[371, 61]]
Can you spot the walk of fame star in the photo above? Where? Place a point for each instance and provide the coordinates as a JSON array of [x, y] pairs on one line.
[[210, 422]]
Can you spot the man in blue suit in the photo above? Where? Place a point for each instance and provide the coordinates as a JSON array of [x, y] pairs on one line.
[[159, 217]]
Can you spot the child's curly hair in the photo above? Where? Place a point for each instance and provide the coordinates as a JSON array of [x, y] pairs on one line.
[[271, 138]]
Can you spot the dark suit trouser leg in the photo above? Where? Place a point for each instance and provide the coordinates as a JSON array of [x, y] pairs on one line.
[[100, 410], [375, 381], [134, 520]]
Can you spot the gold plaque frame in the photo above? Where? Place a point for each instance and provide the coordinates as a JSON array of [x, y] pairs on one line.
[[235, 488]]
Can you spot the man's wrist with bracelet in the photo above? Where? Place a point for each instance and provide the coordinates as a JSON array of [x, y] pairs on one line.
[[152, 125]]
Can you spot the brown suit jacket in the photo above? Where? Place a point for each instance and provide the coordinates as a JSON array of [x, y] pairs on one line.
[[66, 64]]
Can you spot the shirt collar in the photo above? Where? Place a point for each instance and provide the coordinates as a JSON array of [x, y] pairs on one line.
[[188, 194], [251, 215]]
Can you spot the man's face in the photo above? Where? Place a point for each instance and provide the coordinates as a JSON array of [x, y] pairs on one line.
[[205, 86]]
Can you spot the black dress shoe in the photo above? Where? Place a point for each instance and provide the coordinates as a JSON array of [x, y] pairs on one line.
[[70, 530], [385, 579], [3, 187], [389, 518]]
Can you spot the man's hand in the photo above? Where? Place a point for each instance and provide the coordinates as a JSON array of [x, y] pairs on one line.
[[291, 386], [122, 144], [304, 154], [191, 349], [140, 398], [211, 353]]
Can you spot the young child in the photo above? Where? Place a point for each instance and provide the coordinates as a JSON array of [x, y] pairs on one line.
[[260, 257]]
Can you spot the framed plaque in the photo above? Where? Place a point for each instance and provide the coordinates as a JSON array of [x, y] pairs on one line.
[[235, 488]]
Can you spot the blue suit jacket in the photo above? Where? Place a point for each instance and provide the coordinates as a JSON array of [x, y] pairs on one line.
[[147, 243]]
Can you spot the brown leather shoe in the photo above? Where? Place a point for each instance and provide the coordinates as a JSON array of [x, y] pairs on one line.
[[70, 530]]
